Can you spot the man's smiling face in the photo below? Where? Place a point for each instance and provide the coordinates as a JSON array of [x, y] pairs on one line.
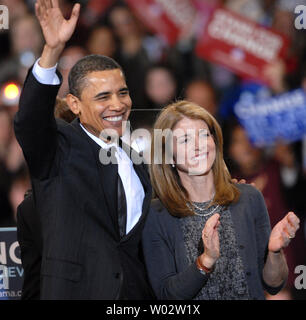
[[104, 102]]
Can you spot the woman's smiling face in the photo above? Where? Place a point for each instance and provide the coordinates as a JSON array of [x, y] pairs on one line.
[[193, 146]]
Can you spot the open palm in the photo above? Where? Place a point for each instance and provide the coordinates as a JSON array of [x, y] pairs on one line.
[[56, 29]]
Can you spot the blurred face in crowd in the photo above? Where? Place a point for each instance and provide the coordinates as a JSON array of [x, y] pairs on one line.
[[283, 21], [101, 41], [196, 148], [202, 94], [123, 22], [16, 8], [5, 128], [242, 152], [17, 192], [104, 103], [26, 35], [160, 86], [69, 58]]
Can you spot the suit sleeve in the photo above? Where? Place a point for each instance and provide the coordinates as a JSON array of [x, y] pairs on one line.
[[165, 279], [28, 235], [35, 126], [263, 231]]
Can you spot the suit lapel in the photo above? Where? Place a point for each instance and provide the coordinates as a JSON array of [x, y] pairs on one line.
[[108, 179], [108, 175]]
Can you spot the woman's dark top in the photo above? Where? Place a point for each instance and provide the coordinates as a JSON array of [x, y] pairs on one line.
[[228, 281], [171, 267]]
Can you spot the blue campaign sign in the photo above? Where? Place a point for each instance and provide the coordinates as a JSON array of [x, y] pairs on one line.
[[268, 120], [11, 271]]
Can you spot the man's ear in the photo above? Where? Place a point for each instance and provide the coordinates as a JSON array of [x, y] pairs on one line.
[[73, 103]]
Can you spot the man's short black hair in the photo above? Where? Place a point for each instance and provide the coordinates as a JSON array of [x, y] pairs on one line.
[[84, 66]]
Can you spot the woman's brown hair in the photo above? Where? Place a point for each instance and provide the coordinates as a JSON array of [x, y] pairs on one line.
[[165, 179]]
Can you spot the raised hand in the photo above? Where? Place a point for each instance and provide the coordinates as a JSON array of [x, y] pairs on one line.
[[56, 29], [283, 232], [210, 238]]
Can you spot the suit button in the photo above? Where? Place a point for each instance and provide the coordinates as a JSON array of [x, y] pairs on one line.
[[117, 275], [241, 246], [248, 273]]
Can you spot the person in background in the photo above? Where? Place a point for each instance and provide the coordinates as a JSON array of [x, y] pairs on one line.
[[101, 40], [68, 59], [270, 174], [6, 132], [20, 183], [26, 44], [202, 93], [160, 86], [132, 56], [206, 238], [11, 169]]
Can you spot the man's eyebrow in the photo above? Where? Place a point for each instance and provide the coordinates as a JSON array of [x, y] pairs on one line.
[[100, 94], [105, 93], [124, 89]]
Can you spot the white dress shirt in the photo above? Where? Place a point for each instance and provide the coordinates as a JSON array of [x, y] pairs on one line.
[[133, 188]]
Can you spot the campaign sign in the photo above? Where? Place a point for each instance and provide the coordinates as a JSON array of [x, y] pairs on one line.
[[267, 121], [11, 271], [151, 13], [165, 18], [239, 44]]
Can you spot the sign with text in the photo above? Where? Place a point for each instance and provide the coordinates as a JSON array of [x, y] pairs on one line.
[[11, 271], [239, 44], [4, 17], [266, 121]]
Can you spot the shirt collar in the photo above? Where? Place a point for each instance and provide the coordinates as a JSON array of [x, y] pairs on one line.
[[100, 142]]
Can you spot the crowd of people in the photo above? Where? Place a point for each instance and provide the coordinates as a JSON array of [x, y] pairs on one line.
[[157, 75]]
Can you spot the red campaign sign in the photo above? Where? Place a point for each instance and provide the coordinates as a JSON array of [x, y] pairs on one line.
[[239, 44], [164, 17]]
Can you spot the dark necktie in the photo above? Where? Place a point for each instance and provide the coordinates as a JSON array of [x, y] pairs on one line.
[[122, 210], [121, 199]]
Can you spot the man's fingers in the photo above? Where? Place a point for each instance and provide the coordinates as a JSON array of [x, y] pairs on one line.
[[75, 13], [37, 11], [42, 5], [48, 4], [55, 4]]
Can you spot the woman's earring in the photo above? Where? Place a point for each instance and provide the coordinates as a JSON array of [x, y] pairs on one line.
[[173, 165]]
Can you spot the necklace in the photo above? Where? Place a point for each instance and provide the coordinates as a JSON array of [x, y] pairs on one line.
[[202, 209]]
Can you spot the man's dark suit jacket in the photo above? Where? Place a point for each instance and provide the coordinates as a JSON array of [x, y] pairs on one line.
[[76, 198], [30, 241]]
